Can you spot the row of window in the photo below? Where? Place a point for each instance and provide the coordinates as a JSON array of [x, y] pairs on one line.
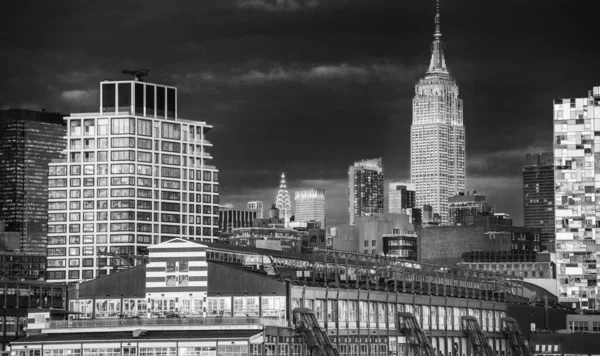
[[131, 192], [99, 239], [130, 226], [127, 126], [102, 169], [378, 314], [130, 142]]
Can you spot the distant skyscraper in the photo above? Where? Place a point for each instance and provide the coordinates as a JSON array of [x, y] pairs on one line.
[[256, 206], [365, 185], [283, 202], [437, 160], [462, 208], [538, 195], [310, 205], [29, 140], [577, 193], [136, 174], [231, 218], [401, 197]]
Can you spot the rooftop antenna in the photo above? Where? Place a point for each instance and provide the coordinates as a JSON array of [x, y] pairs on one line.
[[438, 32], [139, 74]]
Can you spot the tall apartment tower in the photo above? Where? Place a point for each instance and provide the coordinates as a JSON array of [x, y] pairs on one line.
[[310, 205], [538, 195], [577, 193], [256, 206], [29, 140], [283, 201], [365, 186], [401, 197], [135, 175], [437, 144]]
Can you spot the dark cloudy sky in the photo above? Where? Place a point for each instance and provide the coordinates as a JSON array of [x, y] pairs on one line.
[[313, 85]]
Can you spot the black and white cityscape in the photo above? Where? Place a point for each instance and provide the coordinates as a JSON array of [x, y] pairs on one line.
[[299, 178]]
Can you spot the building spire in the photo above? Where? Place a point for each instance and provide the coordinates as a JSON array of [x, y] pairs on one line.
[[283, 201], [438, 32], [438, 63]]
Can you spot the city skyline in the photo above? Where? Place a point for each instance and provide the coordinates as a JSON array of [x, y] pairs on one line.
[[347, 68]]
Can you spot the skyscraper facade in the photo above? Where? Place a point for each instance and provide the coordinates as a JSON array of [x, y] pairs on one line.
[[365, 186], [29, 140], [538, 195], [283, 201], [401, 197], [310, 205], [437, 159], [256, 206], [135, 174], [577, 192]]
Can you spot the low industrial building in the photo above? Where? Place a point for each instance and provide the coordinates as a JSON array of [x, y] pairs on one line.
[[214, 299]]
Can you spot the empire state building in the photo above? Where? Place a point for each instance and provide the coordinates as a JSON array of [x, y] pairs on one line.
[[437, 142]]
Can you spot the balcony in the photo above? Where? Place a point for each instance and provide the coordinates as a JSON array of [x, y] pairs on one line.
[[152, 323]]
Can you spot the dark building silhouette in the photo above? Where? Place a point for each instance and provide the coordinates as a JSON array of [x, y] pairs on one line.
[[538, 195], [29, 140]]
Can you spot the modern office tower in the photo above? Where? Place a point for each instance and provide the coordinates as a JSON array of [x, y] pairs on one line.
[[310, 205], [401, 197], [283, 202], [256, 206], [462, 208], [365, 185], [29, 140], [437, 144], [538, 195], [135, 175], [232, 218], [577, 213]]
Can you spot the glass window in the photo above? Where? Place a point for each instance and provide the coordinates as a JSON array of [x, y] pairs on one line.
[[75, 127], [125, 97], [145, 127], [150, 100], [108, 97], [160, 101], [89, 127], [123, 126], [171, 130]]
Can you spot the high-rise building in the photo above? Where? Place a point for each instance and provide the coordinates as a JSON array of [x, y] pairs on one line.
[[401, 197], [256, 206], [135, 175], [437, 145], [577, 190], [365, 185], [283, 202], [310, 205], [29, 140], [538, 195], [463, 207], [231, 218]]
